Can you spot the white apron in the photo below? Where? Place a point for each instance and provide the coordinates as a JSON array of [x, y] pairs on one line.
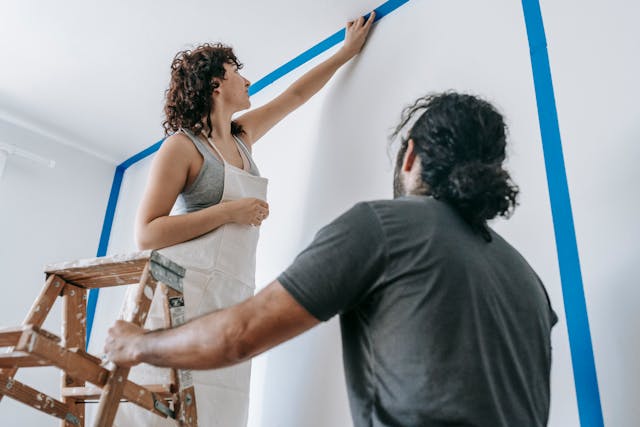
[[220, 271]]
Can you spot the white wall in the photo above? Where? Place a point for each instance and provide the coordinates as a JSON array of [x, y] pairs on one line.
[[592, 48], [333, 152], [423, 47], [46, 215]]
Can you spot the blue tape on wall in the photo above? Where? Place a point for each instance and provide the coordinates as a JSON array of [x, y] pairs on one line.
[[584, 370], [118, 176], [381, 11], [104, 243], [588, 395]]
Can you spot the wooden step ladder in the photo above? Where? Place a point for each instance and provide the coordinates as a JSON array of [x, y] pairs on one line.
[[30, 346]]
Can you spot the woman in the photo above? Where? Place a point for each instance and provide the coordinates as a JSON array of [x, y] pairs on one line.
[[206, 166]]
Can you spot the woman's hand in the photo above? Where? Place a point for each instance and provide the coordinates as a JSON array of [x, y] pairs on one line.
[[356, 34], [248, 211]]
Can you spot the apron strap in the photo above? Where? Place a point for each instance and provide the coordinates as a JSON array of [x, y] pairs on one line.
[[245, 160], [212, 145]]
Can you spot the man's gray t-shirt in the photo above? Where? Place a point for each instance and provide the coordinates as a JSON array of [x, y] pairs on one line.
[[439, 326]]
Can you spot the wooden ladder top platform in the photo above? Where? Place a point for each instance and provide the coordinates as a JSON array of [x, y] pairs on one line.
[[116, 270]]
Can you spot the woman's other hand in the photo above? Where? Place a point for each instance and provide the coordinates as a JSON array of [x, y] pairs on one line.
[[356, 34], [248, 211]]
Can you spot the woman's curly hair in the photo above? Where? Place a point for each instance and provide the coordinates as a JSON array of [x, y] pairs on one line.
[[188, 99], [460, 140]]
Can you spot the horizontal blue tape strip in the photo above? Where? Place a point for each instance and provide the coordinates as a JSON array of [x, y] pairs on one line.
[[584, 370], [316, 50]]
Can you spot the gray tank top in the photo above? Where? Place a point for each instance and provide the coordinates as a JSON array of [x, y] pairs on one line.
[[208, 186]]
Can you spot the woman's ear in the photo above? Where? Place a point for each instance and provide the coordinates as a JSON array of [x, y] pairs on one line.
[[409, 156], [216, 84]]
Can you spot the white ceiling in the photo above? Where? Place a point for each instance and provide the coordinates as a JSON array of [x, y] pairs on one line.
[[93, 74]]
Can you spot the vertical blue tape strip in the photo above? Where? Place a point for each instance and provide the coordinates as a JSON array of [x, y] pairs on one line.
[[104, 243], [381, 11], [584, 370], [92, 301]]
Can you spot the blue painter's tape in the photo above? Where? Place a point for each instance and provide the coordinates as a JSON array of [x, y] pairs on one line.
[[104, 242], [92, 301], [141, 155], [584, 370], [316, 50]]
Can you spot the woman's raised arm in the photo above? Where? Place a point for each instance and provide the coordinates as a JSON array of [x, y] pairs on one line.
[[257, 122]]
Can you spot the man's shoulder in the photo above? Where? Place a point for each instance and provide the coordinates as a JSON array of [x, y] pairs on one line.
[[374, 209], [417, 213], [403, 205]]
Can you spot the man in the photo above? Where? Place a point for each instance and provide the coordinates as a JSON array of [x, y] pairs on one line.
[[443, 322]]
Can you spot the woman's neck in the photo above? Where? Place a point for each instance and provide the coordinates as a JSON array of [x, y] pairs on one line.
[[220, 124]]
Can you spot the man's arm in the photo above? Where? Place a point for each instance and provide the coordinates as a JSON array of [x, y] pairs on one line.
[[215, 340]]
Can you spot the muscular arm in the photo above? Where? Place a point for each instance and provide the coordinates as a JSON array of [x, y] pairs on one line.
[[257, 122], [218, 339]]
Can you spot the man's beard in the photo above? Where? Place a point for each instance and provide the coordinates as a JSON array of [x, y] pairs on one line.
[[398, 185]]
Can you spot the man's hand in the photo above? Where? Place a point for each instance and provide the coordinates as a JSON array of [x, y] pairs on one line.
[[123, 344]]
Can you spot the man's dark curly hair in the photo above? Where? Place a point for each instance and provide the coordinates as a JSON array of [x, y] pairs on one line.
[[188, 100], [460, 140]]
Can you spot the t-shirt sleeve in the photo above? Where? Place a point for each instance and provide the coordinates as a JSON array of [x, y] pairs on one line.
[[553, 317], [339, 268]]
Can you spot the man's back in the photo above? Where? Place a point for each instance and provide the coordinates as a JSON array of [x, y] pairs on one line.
[[439, 326]]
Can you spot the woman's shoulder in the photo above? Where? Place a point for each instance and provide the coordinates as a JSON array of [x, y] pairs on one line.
[[176, 149], [177, 139], [179, 142]]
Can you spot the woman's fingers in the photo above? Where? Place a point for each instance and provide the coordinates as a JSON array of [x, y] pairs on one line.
[[361, 23], [372, 17], [261, 213], [366, 25]]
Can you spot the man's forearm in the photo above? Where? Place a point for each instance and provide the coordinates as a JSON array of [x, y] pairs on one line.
[[206, 342], [216, 340]]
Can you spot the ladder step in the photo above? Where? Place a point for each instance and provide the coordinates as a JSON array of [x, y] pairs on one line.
[[20, 359], [162, 391], [35, 399], [9, 337]]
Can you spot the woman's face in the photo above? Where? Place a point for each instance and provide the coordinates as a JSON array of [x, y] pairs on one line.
[[235, 88]]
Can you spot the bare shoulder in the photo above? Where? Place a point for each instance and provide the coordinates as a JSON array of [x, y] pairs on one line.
[[178, 143], [177, 149]]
